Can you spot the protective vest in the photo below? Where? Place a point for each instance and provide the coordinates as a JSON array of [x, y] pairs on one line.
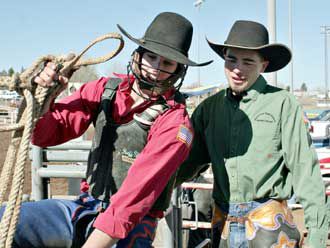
[[115, 147]]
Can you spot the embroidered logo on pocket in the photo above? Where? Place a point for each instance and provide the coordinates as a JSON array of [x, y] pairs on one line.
[[265, 117]]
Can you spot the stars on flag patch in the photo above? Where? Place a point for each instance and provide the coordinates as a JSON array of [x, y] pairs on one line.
[[185, 135]]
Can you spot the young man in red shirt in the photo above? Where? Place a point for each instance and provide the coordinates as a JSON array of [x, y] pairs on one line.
[[142, 135]]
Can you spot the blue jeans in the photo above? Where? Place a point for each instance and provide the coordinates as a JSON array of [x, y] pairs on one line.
[[50, 223], [237, 235]]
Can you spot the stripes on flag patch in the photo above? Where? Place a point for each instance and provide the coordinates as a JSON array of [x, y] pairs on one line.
[[185, 135]]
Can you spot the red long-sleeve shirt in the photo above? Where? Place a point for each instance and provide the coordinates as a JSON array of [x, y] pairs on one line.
[[168, 144]]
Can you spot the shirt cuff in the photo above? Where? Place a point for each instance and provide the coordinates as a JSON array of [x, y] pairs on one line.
[[317, 238], [114, 227], [119, 228]]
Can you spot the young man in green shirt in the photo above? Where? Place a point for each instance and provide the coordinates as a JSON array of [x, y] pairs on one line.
[[254, 136]]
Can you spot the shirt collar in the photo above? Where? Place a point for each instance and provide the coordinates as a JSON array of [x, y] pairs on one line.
[[127, 82], [253, 92], [258, 87]]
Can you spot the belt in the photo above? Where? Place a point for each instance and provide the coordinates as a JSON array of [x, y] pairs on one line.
[[240, 220]]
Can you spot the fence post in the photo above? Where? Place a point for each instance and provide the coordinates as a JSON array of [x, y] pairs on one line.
[[177, 218], [37, 187]]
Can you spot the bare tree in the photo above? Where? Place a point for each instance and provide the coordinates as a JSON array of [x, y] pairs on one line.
[[192, 85], [303, 87], [116, 67], [85, 74], [3, 73]]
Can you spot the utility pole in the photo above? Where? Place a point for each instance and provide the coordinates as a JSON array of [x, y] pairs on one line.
[[326, 31], [291, 44], [272, 34], [198, 5]]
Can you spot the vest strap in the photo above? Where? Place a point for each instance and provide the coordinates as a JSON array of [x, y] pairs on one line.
[[110, 88]]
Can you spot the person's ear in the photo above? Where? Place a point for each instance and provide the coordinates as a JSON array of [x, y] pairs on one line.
[[265, 63]]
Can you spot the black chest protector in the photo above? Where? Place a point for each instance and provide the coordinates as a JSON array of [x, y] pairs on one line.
[[115, 147]]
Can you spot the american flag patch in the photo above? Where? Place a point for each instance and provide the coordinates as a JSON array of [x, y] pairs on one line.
[[185, 135]]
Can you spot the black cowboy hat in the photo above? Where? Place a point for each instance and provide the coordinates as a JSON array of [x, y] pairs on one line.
[[254, 36], [169, 35]]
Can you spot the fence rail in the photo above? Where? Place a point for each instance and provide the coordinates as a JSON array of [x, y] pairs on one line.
[[63, 161], [8, 115], [69, 161]]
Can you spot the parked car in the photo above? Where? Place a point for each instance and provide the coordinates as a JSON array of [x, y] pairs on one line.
[[9, 95], [323, 116], [320, 132], [307, 121]]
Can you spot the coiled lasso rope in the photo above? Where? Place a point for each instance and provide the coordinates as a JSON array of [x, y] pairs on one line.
[[28, 114]]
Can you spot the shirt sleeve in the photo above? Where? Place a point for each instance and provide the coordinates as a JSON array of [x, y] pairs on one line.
[[168, 145], [70, 117], [300, 158], [198, 158]]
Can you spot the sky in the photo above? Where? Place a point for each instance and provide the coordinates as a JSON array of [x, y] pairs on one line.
[[30, 29]]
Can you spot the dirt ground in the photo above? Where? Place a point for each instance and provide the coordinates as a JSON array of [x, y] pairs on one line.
[[58, 186]]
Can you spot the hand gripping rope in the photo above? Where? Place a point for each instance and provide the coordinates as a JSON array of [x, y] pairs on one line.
[[28, 114]]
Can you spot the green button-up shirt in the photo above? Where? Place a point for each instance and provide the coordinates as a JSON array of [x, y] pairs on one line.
[[259, 147]]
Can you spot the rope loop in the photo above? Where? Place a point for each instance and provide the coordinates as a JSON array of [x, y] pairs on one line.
[[69, 62]]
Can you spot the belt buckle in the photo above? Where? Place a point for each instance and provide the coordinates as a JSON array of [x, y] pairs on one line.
[[242, 206]]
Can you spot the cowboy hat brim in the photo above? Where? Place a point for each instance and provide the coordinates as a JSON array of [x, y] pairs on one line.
[[278, 55], [163, 50]]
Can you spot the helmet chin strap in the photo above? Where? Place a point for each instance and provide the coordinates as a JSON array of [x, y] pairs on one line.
[[129, 69]]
